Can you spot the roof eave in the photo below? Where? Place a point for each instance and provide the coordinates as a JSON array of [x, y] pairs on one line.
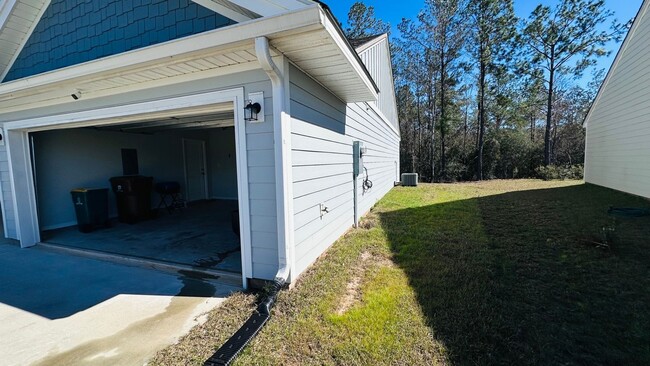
[[293, 23]]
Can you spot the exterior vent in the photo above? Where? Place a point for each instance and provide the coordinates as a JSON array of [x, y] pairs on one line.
[[410, 179]]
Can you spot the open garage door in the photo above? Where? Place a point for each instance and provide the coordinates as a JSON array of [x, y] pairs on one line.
[[185, 168], [69, 160]]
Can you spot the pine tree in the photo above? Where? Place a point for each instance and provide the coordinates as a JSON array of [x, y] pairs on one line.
[[566, 40], [363, 23]]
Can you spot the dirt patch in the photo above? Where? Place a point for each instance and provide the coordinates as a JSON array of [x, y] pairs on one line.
[[353, 291], [369, 221]]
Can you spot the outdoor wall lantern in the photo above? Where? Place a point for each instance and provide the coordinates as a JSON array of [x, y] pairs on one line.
[[251, 111]]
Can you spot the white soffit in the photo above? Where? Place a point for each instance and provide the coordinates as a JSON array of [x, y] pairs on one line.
[[18, 18], [244, 10]]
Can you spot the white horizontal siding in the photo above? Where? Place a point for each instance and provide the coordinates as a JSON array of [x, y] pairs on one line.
[[618, 128], [322, 131]]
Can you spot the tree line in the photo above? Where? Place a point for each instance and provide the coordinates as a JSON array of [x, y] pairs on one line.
[[483, 94]]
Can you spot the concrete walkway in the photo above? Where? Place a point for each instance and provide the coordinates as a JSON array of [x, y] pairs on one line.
[[58, 309]]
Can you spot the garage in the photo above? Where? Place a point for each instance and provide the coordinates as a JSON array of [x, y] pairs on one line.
[[179, 157], [186, 166]]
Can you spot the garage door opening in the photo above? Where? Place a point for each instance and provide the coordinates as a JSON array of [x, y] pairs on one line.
[[187, 169]]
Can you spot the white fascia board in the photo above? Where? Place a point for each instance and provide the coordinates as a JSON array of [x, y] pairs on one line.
[[269, 7], [6, 7], [228, 12], [347, 52], [635, 26], [202, 42]]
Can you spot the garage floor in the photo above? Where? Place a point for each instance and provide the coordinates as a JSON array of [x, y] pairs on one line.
[[60, 309], [200, 236]]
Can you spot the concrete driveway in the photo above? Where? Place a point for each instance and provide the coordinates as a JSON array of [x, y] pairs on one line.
[[58, 309]]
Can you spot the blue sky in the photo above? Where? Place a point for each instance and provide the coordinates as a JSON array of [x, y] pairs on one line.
[[393, 12]]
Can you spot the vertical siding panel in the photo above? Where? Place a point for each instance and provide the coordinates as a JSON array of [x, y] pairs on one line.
[[618, 130], [377, 60]]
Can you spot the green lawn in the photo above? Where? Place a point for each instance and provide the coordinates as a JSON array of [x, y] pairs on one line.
[[501, 272]]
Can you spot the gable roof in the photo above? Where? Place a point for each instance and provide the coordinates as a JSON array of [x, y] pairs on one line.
[[19, 18], [635, 26]]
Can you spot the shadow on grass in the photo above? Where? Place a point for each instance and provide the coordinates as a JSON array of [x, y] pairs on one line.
[[516, 278]]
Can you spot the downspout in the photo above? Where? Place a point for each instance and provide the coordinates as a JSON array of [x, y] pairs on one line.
[[229, 350], [282, 153]]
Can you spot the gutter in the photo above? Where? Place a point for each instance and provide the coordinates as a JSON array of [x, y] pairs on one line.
[[227, 353]]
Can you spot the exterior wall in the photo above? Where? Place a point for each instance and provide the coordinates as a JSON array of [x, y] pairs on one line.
[[618, 129], [323, 129], [67, 159], [75, 158], [7, 197], [259, 145], [71, 32], [378, 62]]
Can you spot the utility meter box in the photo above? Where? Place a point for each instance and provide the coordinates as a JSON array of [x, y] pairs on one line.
[[358, 151]]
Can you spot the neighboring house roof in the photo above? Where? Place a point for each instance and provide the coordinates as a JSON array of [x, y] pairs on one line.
[[358, 42], [645, 6]]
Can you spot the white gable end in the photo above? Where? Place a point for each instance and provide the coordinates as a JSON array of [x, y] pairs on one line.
[[376, 57], [618, 125]]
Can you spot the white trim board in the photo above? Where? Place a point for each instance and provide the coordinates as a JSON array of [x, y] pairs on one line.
[[20, 165]]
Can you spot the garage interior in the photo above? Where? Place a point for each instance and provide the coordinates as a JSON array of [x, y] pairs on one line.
[[191, 157]]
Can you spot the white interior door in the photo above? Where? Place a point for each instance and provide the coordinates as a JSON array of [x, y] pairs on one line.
[[195, 170]]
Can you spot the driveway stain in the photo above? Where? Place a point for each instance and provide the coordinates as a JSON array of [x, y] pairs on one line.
[[134, 344]]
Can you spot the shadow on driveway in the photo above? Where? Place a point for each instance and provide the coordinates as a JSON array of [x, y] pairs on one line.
[[54, 285]]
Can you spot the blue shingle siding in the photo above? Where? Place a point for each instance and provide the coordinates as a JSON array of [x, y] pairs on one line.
[[75, 31]]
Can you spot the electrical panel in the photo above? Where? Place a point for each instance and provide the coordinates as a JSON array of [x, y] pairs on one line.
[[358, 151]]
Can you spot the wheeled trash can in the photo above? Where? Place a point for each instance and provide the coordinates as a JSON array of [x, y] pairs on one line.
[[133, 196], [91, 207]]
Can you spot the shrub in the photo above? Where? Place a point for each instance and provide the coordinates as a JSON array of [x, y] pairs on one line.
[[554, 172]]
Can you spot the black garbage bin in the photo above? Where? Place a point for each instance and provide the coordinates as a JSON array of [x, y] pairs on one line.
[[133, 196], [91, 207]]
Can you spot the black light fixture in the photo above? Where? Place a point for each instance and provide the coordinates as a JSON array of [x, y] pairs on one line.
[[251, 111]]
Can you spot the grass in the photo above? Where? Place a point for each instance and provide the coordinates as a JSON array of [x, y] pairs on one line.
[[502, 272]]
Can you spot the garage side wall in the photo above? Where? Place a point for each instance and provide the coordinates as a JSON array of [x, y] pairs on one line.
[[7, 196], [260, 154], [323, 129], [618, 130]]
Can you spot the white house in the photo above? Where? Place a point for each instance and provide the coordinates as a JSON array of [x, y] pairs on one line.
[[618, 124], [89, 88]]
